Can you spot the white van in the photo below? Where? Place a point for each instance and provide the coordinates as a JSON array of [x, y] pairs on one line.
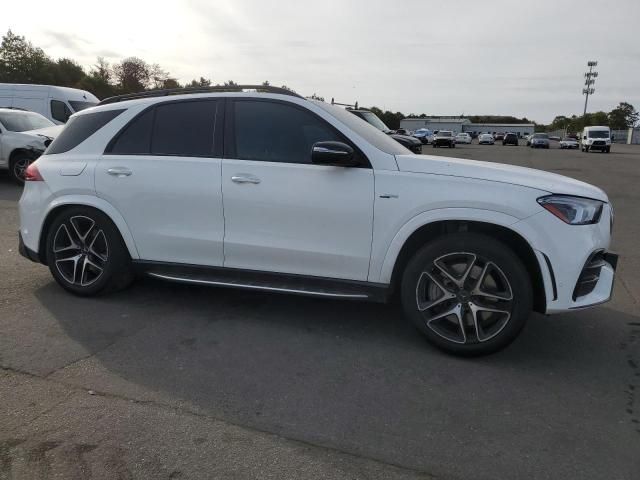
[[55, 103], [596, 138]]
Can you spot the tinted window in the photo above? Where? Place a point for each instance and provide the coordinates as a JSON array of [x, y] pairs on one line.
[[77, 106], [135, 139], [184, 128], [79, 129], [60, 111], [275, 132]]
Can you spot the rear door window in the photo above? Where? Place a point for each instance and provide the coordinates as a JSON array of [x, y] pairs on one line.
[[176, 128]]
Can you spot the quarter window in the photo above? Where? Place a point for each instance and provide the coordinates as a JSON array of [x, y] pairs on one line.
[[276, 132], [80, 128], [135, 139], [60, 111]]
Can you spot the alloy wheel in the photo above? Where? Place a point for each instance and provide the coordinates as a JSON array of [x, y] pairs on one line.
[[80, 251], [19, 168], [464, 298]]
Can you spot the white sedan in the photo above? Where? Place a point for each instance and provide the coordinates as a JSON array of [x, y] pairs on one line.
[[463, 138], [486, 139], [569, 142]]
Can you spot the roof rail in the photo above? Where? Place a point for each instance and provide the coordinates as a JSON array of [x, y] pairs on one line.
[[191, 90], [348, 105]]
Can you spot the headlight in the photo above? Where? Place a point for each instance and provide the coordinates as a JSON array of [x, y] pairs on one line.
[[573, 210]]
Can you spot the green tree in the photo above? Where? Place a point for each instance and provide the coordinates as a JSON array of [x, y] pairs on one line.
[[67, 73], [21, 62], [623, 116], [132, 75], [203, 82]]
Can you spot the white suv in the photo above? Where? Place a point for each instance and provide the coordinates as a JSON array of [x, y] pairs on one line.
[[270, 191]]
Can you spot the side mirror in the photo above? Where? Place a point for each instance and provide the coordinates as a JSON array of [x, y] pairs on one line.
[[333, 153]]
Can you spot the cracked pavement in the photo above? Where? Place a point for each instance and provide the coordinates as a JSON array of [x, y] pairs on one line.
[[170, 381]]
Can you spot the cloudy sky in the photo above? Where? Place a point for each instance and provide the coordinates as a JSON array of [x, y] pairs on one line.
[[437, 57]]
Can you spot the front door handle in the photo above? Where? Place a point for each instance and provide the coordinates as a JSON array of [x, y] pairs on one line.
[[119, 171], [245, 178]]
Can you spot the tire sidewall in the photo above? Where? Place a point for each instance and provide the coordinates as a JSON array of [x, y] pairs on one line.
[[494, 251], [118, 262]]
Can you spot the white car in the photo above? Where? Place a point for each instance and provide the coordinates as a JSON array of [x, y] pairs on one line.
[[23, 138], [299, 196], [463, 138], [568, 142], [486, 139]]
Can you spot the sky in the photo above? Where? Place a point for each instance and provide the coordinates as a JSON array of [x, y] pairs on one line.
[[461, 57]]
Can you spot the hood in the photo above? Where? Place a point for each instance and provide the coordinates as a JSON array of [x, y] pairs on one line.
[[404, 138], [499, 172], [52, 132]]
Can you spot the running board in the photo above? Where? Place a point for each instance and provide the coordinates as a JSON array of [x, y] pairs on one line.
[[266, 281]]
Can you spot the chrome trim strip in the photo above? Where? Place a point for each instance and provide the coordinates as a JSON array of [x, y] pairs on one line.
[[258, 287]]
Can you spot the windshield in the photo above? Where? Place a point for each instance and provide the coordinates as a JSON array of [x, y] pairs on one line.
[[77, 106], [568, 139], [598, 134], [373, 119], [541, 135], [444, 134], [24, 121], [370, 133]]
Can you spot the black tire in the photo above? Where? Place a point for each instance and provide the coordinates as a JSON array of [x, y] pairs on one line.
[[608, 149], [116, 273], [510, 272], [18, 165]]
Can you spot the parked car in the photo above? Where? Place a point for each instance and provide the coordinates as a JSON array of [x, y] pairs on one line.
[[403, 131], [510, 139], [555, 138], [463, 138], [568, 142], [23, 138], [423, 134], [499, 136], [302, 197], [444, 138], [485, 139], [539, 140], [596, 138], [409, 142], [55, 103]]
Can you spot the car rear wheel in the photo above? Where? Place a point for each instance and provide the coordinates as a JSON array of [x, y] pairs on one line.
[[86, 254], [467, 293]]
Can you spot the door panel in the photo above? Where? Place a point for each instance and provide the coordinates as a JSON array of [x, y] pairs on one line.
[[172, 205], [298, 218]]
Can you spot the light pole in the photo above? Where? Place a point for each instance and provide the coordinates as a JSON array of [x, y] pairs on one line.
[[590, 79]]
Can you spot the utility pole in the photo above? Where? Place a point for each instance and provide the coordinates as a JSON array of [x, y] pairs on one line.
[[590, 79]]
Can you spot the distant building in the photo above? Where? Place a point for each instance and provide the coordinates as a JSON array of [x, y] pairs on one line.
[[458, 125]]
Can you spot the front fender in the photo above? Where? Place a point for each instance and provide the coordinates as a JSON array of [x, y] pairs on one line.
[[381, 271], [105, 207]]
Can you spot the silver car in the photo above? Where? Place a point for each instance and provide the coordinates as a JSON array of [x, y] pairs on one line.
[[539, 140]]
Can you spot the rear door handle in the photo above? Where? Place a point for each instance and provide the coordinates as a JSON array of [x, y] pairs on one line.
[[119, 171], [245, 178]]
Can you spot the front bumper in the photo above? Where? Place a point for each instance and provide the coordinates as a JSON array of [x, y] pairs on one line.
[[576, 265]]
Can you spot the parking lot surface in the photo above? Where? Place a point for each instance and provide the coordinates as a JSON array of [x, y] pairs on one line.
[[174, 381]]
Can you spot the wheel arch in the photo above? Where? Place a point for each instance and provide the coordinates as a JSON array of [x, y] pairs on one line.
[[85, 201], [521, 247]]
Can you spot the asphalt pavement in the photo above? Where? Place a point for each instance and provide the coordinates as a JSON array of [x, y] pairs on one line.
[[173, 381]]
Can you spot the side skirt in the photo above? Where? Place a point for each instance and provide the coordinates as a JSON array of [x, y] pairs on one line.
[[265, 281]]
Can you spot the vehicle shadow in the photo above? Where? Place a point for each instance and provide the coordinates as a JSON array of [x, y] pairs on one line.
[[8, 189], [350, 374]]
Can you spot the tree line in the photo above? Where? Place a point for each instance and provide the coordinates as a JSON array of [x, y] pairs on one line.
[[22, 62]]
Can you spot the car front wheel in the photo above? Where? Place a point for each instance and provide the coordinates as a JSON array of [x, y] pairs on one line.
[[18, 167], [86, 254], [467, 293]]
